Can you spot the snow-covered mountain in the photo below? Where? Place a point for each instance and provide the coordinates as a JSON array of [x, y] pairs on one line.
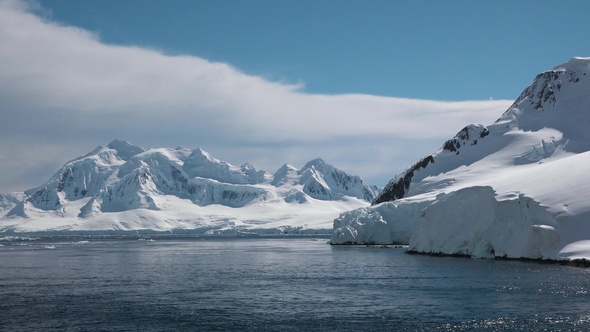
[[122, 187], [323, 181], [9, 201], [519, 187]]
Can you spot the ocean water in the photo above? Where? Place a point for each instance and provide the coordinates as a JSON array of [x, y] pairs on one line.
[[276, 284]]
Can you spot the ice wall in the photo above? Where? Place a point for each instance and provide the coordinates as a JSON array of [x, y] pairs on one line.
[[473, 221], [387, 223]]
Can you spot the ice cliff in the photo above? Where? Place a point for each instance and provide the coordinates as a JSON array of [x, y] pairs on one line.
[[515, 188]]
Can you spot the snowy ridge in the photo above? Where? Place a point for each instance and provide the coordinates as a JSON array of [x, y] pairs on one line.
[[77, 179], [202, 164], [515, 188], [323, 181], [122, 187]]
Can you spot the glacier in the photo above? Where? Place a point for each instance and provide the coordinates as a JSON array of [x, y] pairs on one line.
[[120, 187], [517, 188]]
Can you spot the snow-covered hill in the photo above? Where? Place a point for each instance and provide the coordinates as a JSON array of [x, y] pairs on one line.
[[519, 187], [122, 187]]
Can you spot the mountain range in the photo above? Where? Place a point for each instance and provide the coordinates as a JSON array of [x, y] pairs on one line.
[[120, 187], [516, 188]]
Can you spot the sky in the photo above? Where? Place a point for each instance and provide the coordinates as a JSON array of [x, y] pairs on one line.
[[369, 86]]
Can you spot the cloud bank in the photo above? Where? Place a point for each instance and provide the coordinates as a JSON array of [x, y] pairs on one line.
[[63, 92]]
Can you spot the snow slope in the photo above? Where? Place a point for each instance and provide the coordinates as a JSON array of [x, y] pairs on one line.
[[120, 187], [517, 188], [9, 201]]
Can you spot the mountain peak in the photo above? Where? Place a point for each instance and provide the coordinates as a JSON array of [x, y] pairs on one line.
[[165, 188], [200, 154], [287, 167], [577, 64], [317, 163], [516, 188], [557, 99], [284, 174], [201, 164], [552, 111], [125, 150]]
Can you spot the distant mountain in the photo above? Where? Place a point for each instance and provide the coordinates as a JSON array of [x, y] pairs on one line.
[[9, 201], [122, 187], [201, 164], [324, 181], [516, 188]]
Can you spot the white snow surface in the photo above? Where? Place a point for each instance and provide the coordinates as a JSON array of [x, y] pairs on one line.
[[120, 187], [518, 188]]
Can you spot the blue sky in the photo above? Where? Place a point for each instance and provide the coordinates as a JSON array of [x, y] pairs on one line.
[[370, 86], [441, 50]]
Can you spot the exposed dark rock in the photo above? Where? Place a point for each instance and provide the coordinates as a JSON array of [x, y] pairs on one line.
[[541, 93], [484, 133], [396, 189], [578, 262], [398, 186]]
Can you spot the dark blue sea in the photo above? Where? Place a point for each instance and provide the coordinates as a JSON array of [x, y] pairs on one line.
[[275, 284]]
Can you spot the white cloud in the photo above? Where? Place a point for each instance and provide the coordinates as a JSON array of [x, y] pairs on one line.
[[63, 91]]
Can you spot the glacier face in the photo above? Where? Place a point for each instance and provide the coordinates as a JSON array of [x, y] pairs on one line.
[[475, 222], [513, 188], [120, 186]]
